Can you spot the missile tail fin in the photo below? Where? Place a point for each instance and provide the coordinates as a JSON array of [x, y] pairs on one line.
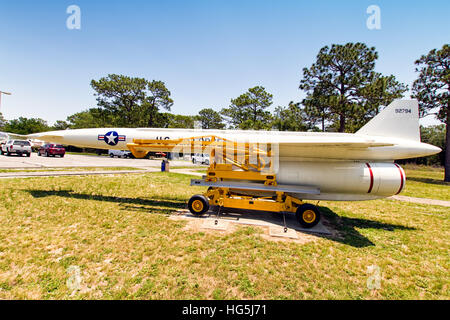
[[400, 119]]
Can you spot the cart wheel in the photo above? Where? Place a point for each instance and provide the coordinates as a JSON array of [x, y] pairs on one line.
[[308, 215], [198, 204]]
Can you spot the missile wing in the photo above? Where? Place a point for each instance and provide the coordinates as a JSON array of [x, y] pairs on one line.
[[392, 134]]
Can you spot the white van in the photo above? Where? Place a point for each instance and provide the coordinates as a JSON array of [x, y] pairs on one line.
[[119, 153], [200, 158]]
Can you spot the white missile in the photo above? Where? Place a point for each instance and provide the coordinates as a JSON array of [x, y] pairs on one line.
[[342, 166]]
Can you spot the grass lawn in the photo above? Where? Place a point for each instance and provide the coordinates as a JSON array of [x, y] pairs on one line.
[[426, 182], [112, 235]]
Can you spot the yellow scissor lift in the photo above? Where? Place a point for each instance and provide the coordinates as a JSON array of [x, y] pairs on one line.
[[237, 171]]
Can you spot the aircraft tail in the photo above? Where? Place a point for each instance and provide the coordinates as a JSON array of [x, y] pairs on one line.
[[400, 119]]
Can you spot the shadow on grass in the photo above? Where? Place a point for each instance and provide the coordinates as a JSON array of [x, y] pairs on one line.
[[428, 180], [346, 228], [136, 204]]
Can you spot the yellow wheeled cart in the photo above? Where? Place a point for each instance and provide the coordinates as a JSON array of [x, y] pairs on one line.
[[240, 176]]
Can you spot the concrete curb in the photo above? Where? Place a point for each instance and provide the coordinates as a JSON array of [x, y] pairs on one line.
[[422, 200], [70, 173]]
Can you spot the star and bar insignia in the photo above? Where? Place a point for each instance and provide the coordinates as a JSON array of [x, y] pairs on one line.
[[112, 138]]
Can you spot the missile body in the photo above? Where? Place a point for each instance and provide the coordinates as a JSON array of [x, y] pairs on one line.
[[289, 145], [343, 166]]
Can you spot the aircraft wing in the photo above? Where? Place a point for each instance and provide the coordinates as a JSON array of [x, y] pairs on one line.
[[367, 144], [8, 135], [355, 148], [42, 136]]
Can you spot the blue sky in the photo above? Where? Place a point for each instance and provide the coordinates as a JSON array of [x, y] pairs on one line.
[[206, 52]]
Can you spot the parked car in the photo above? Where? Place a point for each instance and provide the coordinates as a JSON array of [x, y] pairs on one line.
[[3, 137], [200, 158], [18, 147], [36, 144], [155, 155], [119, 153], [51, 150]]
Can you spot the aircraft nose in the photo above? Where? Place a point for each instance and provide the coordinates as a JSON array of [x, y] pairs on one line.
[[430, 149], [436, 149]]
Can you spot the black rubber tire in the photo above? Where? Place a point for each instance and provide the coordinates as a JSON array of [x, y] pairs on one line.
[[198, 204], [28, 155], [309, 220], [111, 155]]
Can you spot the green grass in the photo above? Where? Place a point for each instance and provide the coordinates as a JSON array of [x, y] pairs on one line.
[[192, 169], [116, 231], [426, 182]]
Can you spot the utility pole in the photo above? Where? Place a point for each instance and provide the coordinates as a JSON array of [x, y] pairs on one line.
[[3, 92]]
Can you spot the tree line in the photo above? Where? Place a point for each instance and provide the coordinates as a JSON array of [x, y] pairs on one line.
[[343, 92]]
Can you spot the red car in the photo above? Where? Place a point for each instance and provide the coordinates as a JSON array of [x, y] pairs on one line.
[[52, 150]]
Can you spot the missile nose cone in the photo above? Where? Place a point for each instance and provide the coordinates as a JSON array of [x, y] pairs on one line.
[[430, 149], [436, 149]]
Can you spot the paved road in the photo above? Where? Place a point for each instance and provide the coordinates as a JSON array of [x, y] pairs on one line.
[[72, 160], [423, 201]]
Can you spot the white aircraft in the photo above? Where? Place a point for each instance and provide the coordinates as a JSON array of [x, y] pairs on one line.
[[309, 165]]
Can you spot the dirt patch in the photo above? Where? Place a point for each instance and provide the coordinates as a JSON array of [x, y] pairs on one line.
[[197, 224]]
